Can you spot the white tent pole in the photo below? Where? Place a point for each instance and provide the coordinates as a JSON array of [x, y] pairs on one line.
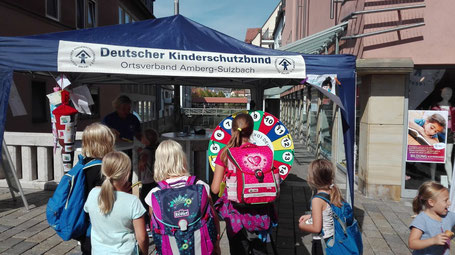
[[176, 7]]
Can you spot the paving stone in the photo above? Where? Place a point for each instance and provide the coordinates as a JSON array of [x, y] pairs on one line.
[[372, 234], [10, 242], [41, 236], [61, 248], [4, 228], [47, 244], [9, 233], [20, 248], [378, 245], [33, 230]]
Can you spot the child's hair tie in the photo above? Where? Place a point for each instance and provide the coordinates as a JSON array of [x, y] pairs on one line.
[[239, 129], [331, 186]]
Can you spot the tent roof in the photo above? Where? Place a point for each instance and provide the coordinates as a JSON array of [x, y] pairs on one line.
[[39, 53], [80, 55], [173, 32]]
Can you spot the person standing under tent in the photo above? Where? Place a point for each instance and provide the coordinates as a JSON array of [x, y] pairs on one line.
[[122, 121], [247, 226]]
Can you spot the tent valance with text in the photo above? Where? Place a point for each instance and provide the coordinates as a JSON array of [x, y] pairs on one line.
[[104, 58]]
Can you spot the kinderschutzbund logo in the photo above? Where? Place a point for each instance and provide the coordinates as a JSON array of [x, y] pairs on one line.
[[82, 56], [284, 65]]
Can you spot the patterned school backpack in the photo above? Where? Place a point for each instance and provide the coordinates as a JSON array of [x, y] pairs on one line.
[[183, 220], [250, 176], [347, 238], [65, 209]]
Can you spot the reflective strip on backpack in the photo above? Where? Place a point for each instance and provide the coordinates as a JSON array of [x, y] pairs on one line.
[[197, 242], [174, 246], [260, 185], [262, 194], [175, 226], [71, 190]]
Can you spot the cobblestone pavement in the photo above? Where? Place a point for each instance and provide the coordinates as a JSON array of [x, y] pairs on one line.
[[384, 224]]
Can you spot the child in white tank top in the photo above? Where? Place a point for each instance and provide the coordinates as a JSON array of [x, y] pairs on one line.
[[321, 175]]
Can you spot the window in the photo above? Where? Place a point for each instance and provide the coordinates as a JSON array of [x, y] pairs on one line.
[[91, 14], [124, 16], [127, 18], [121, 14], [53, 9], [39, 104], [86, 14], [80, 14]]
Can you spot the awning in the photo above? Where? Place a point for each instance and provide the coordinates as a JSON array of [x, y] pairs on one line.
[[316, 43], [274, 93]]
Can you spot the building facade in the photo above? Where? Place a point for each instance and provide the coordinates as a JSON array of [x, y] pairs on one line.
[[47, 16], [403, 61], [263, 36]]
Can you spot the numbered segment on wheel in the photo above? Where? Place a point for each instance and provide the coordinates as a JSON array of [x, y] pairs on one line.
[[268, 130]]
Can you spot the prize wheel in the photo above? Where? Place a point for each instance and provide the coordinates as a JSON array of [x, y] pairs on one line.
[[268, 130]]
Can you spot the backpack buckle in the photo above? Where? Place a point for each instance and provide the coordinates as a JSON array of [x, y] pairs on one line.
[[259, 175]]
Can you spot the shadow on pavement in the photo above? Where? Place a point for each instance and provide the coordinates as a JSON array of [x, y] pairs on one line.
[[34, 199]]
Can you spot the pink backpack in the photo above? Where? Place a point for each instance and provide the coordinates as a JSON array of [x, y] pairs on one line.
[[183, 220], [250, 176]]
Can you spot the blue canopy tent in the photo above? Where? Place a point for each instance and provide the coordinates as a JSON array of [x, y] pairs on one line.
[[172, 50]]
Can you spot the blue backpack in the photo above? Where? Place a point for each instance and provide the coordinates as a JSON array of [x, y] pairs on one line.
[[65, 209], [347, 238]]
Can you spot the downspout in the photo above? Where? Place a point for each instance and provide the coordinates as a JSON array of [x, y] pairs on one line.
[[307, 25], [296, 21], [304, 17]]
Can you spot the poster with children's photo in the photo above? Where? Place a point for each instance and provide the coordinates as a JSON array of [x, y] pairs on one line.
[[325, 81], [426, 136]]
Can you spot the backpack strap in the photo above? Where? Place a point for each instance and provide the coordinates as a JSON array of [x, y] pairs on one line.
[[93, 162], [326, 197], [191, 180], [248, 145], [164, 185]]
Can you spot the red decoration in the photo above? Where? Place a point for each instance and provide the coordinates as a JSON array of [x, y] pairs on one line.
[[65, 122]]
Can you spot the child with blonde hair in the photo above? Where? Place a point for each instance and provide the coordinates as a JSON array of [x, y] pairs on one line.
[[97, 141], [431, 230], [321, 177], [174, 181], [117, 217]]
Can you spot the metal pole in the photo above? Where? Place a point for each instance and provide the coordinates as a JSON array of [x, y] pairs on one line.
[[383, 31], [176, 7], [337, 44], [350, 16]]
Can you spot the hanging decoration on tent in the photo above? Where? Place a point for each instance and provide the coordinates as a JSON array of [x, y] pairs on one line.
[[268, 130], [62, 81], [65, 122], [55, 99]]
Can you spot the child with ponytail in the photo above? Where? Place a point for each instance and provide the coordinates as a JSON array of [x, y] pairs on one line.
[[431, 228], [321, 177], [247, 226], [117, 217]]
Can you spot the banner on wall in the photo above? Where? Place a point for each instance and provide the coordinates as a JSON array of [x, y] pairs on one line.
[[426, 136]]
